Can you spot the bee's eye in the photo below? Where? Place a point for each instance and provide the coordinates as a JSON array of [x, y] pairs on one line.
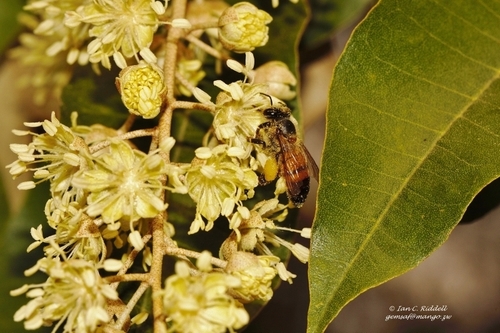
[[275, 113], [287, 127], [270, 113]]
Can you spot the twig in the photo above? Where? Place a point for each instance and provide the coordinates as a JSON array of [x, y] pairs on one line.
[[193, 106], [125, 136], [205, 47], [130, 305]]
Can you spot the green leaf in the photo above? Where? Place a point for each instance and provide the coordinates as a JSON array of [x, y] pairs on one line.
[[15, 238], [94, 97], [9, 26], [329, 16], [413, 134]]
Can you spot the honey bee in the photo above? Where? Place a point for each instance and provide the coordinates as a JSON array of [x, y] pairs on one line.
[[292, 160]]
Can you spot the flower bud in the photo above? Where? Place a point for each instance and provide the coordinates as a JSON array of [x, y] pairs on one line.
[[278, 79], [243, 27], [142, 88]]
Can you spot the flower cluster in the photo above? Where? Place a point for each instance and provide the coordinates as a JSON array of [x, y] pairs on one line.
[[256, 274], [111, 200], [55, 156], [123, 185], [74, 292], [112, 31], [216, 182], [202, 303], [97, 194]]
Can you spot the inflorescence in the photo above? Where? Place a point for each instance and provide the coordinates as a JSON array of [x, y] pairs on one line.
[[108, 197]]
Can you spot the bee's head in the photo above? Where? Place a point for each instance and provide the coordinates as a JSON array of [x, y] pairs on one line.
[[276, 113]]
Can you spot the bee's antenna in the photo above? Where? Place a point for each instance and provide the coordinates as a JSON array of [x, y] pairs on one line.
[[268, 96]]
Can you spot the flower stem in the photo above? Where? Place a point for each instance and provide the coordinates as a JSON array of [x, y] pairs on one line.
[[205, 47], [204, 25], [193, 106], [124, 136], [130, 305], [164, 129], [193, 254]]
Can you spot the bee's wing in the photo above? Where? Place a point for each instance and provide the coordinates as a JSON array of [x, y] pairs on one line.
[[293, 161], [311, 164]]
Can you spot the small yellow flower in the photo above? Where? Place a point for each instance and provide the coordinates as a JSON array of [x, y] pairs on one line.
[[125, 183], [71, 41], [192, 73], [256, 274], [243, 27], [216, 180], [143, 89], [122, 28], [46, 74], [75, 232], [201, 303], [55, 155], [239, 112], [74, 293], [256, 232]]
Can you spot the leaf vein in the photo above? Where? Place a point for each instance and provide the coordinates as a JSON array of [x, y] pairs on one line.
[[341, 157], [467, 22], [419, 78], [481, 127], [380, 144], [391, 115], [363, 187], [489, 9], [452, 48]]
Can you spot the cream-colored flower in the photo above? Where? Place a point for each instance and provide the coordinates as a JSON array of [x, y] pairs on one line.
[[243, 27], [124, 184], [122, 28], [255, 233], [191, 72], [216, 180], [47, 54], [47, 75], [74, 295], [75, 232], [143, 89], [55, 155], [239, 113], [69, 40], [201, 303], [256, 274]]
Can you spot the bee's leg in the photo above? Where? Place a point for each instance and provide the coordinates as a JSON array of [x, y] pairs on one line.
[[258, 141], [258, 136], [262, 180]]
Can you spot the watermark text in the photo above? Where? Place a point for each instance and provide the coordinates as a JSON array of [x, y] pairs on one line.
[[418, 312]]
